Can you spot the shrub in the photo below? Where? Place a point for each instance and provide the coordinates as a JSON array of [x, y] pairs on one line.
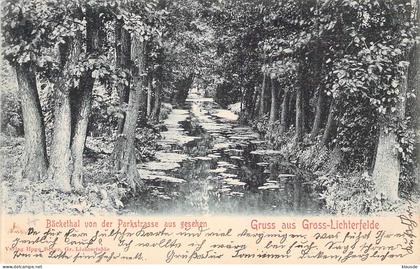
[[11, 115], [353, 194], [164, 111], [260, 124]]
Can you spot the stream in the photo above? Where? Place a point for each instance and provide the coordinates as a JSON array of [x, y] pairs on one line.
[[207, 163]]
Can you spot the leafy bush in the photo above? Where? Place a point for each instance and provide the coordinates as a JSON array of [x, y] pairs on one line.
[[314, 157], [353, 195], [260, 124], [226, 94], [103, 191], [164, 111], [105, 112], [35, 198], [11, 115], [11, 112], [146, 143], [407, 156]]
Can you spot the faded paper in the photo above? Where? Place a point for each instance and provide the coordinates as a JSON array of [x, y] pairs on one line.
[[216, 239]]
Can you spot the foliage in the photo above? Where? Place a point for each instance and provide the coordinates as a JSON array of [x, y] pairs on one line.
[[164, 111], [146, 143], [11, 113], [11, 117], [261, 124], [353, 195], [407, 155], [102, 194], [106, 110]]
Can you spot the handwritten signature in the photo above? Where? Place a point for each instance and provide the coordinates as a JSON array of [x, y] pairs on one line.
[[409, 223]]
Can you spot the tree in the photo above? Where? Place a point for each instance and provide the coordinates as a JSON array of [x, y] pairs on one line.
[[318, 114], [159, 87], [387, 168], [60, 170], [140, 33], [82, 96], [299, 124], [74, 97], [124, 156], [35, 161], [284, 112], [274, 106], [24, 40], [122, 62], [262, 96]]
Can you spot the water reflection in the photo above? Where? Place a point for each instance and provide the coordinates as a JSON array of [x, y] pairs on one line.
[[208, 163]]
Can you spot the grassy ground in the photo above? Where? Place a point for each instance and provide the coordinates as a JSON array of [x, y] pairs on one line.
[[105, 188], [102, 192]]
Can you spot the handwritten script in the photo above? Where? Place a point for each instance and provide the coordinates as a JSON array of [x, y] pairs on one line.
[[211, 240]]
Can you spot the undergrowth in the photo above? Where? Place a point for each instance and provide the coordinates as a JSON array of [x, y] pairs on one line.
[[340, 190]]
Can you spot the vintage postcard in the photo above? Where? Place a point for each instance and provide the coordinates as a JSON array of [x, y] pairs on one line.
[[210, 131]]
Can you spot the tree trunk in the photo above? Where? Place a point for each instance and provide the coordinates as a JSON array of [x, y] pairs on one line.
[[80, 129], [274, 102], [386, 172], [34, 159], [149, 94], [123, 156], [73, 105], [60, 169], [83, 98], [158, 93], [305, 106], [255, 103], [182, 88], [292, 108], [262, 96], [144, 100], [387, 168], [318, 114], [122, 58], [330, 123], [284, 112], [299, 116]]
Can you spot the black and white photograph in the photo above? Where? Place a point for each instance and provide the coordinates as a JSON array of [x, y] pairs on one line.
[[209, 132]]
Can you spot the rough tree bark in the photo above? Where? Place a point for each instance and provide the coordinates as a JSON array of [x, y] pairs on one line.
[[299, 116], [318, 114], [80, 130], [386, 172], [60, 170], [122, 58], [72, 109], [34, 159], [123, 156], [330, 124], [82, 98]]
